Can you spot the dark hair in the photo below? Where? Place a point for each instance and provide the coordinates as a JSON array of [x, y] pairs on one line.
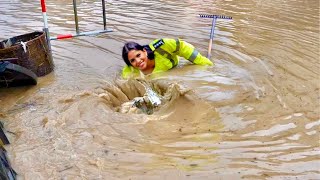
[[135, 46]]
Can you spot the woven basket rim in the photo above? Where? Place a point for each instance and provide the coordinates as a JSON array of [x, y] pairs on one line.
[[39, 33]]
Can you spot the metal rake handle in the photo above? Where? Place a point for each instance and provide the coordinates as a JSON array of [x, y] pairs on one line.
[[215, 16], [214, 19]]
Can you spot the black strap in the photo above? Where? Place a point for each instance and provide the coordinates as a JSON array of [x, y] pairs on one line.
[[157, 44]]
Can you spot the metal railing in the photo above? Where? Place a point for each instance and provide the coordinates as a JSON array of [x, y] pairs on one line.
[[78, 33]]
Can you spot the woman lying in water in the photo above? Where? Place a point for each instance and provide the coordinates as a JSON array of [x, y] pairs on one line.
[[160, 55]]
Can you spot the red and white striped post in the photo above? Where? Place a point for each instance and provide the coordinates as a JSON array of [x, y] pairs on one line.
[[90, 33], [46, 29]]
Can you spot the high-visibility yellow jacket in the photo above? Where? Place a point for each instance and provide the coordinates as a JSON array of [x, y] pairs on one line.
[[166, 52]]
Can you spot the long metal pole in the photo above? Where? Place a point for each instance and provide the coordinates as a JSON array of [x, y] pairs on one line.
[[46, 28], [76, 15], [104, 14], [211, 36], [90, 33]]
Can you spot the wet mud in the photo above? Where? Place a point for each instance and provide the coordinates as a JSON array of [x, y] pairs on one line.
[[254, 115]]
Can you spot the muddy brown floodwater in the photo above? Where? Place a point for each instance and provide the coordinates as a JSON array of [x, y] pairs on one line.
[[254, 115]]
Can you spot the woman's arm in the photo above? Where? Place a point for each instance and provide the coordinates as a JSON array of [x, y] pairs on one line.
[[129, 71], [186, 50]]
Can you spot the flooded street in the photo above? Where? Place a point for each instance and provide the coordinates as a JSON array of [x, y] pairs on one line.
[[254, 115]]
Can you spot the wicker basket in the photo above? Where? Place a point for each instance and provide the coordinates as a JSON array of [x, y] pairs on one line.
[[35, 56]]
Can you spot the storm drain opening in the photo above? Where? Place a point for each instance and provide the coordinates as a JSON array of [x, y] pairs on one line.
[[138, 96]]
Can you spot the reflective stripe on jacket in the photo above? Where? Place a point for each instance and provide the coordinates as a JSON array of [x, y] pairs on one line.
[[166, 52]]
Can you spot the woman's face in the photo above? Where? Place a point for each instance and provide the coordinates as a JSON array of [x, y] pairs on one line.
[[138, 58]]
